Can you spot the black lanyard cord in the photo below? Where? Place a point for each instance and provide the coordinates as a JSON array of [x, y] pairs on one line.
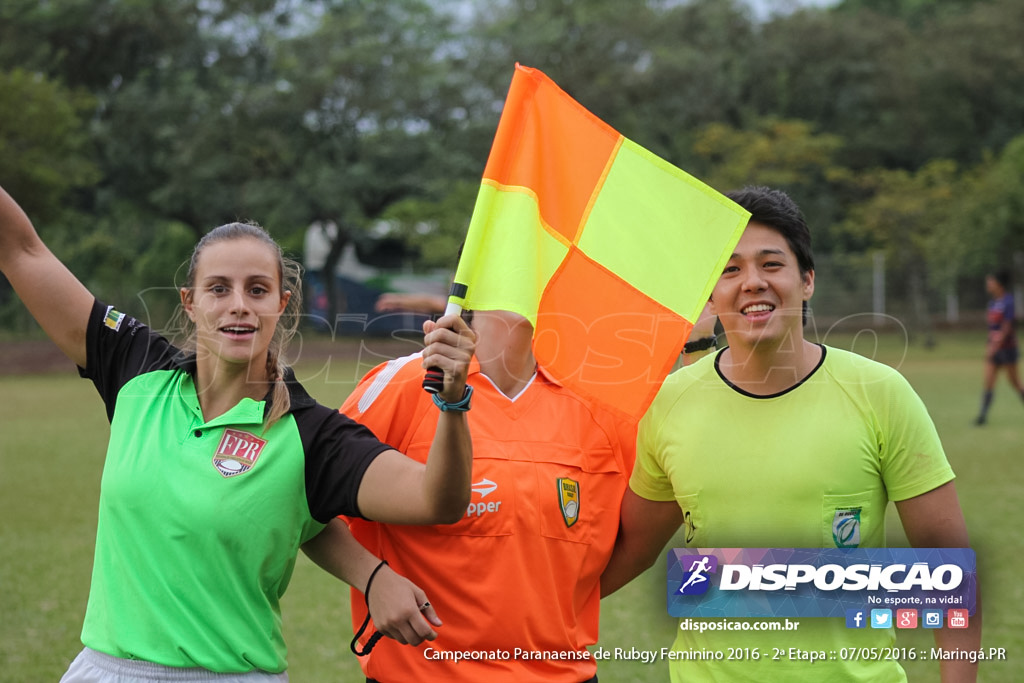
[[354, 645]]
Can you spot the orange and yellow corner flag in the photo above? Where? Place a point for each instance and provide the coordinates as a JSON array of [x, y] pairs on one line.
[[610, 251]]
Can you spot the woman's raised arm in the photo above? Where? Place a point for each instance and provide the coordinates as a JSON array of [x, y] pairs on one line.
[[55, 298]]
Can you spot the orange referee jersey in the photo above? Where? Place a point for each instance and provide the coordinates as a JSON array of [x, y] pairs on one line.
[[516, 580]]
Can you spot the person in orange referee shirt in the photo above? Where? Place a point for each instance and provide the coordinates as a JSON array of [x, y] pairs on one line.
[[516, 580]]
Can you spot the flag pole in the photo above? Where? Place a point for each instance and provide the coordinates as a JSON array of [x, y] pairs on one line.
[[433, 380]]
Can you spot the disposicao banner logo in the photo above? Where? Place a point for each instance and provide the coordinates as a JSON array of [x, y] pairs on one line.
[[817, 582]]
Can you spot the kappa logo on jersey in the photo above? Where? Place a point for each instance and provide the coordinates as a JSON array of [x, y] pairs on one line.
[[113, 319], [484, 487], [846, 527], [569, 500], [237, 452]]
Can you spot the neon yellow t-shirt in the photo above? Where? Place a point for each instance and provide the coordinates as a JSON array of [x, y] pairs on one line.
[[813, 466]]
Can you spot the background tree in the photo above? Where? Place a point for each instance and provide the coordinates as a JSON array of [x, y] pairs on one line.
[[45, 150], [783, 154], [902, 215], [377, 87], [985, 228], [902, 82], [133, 126], [45, 156]]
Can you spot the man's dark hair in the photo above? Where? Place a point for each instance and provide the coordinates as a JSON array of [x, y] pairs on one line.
[[1003, 278], [775, 209]]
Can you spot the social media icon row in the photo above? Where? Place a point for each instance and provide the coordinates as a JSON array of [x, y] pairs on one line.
[[905, 618]]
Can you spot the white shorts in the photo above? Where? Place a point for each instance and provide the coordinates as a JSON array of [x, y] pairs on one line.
[[91, 666]]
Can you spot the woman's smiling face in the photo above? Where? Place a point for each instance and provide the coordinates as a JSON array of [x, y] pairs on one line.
[[236, 300]]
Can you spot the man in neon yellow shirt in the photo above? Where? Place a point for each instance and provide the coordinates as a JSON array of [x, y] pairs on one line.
[[776, 441]]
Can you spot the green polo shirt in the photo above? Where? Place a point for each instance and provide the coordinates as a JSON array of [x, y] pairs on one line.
[[200, 521]]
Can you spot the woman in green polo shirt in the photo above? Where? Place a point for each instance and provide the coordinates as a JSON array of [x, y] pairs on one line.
[[220, 466]]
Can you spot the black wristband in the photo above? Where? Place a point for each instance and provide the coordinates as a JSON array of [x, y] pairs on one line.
[[702, 344]]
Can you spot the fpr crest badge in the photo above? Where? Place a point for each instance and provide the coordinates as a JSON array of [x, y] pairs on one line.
[[237, 452], [569, 500]]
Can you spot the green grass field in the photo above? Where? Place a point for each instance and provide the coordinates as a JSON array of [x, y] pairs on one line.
[[52, 438]]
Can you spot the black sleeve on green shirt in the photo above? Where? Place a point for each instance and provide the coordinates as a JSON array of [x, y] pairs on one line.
[[115, 356], [338, 451]]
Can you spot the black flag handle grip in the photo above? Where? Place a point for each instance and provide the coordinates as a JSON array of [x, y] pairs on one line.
[[433, 380]]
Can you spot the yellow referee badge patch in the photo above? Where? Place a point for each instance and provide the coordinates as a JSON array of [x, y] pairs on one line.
[[113, 318], [569, 500]]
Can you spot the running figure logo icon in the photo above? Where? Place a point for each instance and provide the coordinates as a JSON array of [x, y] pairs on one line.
[[695, 580]]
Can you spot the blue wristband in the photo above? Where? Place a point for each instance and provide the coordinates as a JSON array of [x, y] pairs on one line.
[[460, 406]]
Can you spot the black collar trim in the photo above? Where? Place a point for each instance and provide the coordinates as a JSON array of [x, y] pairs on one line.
[[735, 388]]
